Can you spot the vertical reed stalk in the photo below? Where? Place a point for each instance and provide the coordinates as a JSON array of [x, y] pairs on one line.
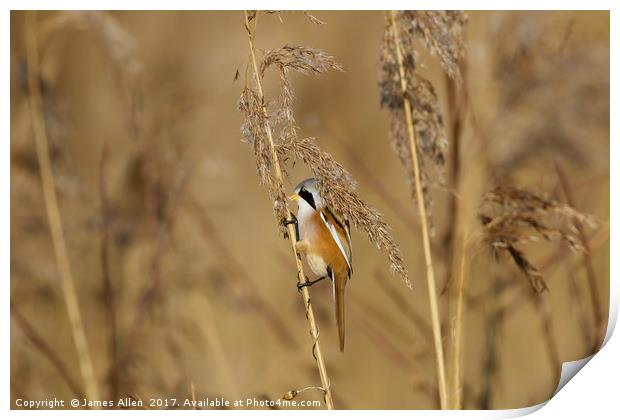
[[457, 351], [108, 290], [456, 106], [597, 310], [580, 312], [53, 212], [543, 307], [314, 332], [455, 257], [430, 274], [494, 322]]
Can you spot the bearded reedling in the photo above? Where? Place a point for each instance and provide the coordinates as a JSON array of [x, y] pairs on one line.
[[325, 240]]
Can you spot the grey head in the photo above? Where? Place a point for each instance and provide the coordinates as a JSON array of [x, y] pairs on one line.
[[308, 192]]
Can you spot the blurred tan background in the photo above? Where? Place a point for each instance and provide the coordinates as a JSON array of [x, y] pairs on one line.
[[141, 113]]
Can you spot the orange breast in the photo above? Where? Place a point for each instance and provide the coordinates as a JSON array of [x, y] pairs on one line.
[[321, 243]]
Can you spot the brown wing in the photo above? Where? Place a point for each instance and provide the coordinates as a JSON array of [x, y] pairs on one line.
[[340, 234]]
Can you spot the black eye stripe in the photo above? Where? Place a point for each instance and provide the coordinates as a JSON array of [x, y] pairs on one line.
[[306, 195]]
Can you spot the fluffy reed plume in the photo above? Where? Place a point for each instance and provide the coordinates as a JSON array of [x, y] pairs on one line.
[[441, 31], [53, 212], [442, 34], [511, 217], [335, 183], [416, 123], [337, 188], [302, 59]]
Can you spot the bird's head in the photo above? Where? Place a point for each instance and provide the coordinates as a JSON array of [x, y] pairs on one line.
[[307, 194]]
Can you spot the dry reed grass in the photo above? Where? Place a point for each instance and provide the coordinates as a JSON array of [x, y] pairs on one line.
[[441, 33], [273, 135], [91, 388], [416, 123], [156, 246], [512, 217], [258, 133], [335, 183], [597, 312]]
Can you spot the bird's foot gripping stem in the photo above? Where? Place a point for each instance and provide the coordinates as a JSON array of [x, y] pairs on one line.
[[293, 221], [309, 283]]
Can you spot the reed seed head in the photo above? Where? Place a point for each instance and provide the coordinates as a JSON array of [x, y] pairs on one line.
[[442, 34], [254, 134], [511, 217], [335, 183], [338, 190]]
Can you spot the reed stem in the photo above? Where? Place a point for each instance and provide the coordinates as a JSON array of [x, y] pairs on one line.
[[53, 212], [108, 289], [597, 309], [314, 332], [430, 274], [457, 353]]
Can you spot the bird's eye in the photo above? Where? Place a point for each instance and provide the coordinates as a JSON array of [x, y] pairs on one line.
[[307, 196]]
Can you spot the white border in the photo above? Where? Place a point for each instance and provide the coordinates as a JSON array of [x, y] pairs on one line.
[[595, 393]]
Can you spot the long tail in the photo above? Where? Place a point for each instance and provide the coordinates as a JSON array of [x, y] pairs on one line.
[[339, 292]]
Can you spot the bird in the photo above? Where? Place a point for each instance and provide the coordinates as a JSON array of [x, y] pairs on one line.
[[325, 240]]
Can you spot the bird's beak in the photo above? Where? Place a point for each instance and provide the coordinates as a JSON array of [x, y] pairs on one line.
[[294, 197]]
